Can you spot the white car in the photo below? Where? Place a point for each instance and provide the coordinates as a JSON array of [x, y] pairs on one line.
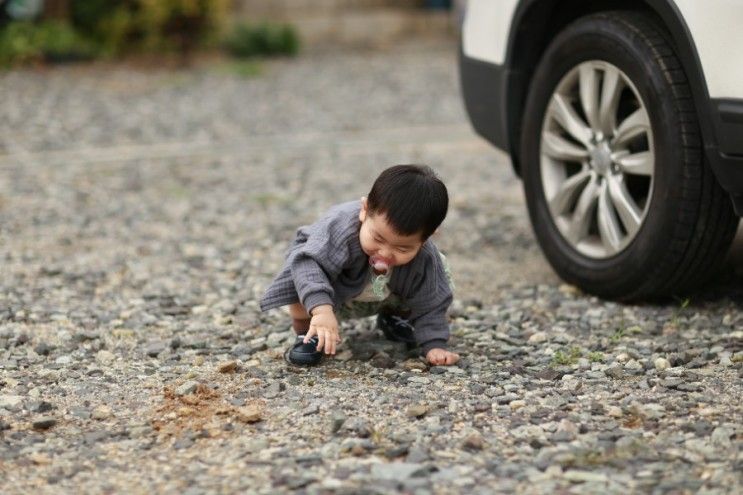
[[624, 120]]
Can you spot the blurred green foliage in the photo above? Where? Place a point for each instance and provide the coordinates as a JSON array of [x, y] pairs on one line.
[[125, 26], [25, 42], [251, 40], [111, 28]]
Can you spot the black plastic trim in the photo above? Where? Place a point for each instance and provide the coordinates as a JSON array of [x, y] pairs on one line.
[[483, 91], [728, 116]]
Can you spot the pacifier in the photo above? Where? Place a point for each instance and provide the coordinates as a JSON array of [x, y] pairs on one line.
[[379, 264]]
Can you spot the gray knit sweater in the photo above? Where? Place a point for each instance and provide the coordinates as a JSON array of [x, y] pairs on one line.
[[326, 265]]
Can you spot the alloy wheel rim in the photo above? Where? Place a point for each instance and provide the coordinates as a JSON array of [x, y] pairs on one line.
[[597, 159]]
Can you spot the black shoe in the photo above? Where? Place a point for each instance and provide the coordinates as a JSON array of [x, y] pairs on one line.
[[396, 329], [303, 354]]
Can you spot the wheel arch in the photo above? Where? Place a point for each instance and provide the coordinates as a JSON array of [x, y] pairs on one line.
[[536, 22]]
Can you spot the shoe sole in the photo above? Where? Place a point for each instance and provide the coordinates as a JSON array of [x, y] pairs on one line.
[[302, 359], [390, 335]]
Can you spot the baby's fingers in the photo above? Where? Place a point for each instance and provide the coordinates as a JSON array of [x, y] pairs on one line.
[[321, 339], [310, 333]]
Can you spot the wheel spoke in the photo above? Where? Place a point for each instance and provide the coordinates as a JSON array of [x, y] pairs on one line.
[[609, 229], [631, 127], [611, 89], [581, 219], [624, 205], [589, 94], [637, 163], [564, 113], [554, 146], [569, 189]]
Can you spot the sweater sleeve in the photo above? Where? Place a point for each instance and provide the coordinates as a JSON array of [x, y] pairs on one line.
[[316, 263], [429, 302]]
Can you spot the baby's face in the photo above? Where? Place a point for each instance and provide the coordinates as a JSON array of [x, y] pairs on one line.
[[385, 247]]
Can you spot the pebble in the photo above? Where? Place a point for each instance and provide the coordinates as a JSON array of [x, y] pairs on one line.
[[105, 357], [11, 402], [661, 364], [155, 349], [187, 388], [538, 338], [473, 441], [227, 366], [250, 414], [102, 412], [516, 404], [43, 423], [417, 410]]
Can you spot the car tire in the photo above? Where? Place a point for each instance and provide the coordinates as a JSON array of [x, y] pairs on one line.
[[647, 217]]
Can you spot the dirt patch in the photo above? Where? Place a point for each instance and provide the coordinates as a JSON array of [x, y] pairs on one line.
[[205, 412]]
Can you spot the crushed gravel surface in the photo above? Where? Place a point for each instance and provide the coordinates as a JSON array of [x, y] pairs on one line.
[[142, 213]]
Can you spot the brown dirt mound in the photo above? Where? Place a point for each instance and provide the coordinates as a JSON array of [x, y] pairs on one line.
[[203, 411]]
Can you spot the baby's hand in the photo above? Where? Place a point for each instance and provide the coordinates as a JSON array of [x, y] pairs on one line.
[[441, 357], [325, 326]]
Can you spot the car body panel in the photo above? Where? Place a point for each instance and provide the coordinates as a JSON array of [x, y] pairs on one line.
[[706, 35]]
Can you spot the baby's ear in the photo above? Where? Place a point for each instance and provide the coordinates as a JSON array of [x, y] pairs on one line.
[[364, 206]]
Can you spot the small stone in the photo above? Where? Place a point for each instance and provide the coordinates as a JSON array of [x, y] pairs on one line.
[[397, 451], [721, 436], [311, 409], [633, 365], [396, 471], [336, 422], [43, 423], [538, 338], [41, 407], [344, 355], [516, 404], [651, 410], [43, 349], [614, 411], [154, 349], [358, 427], [473, 442], [725, 359], [417, 410], [250, 414], [11, 402], [102, 412], [382, 361], [585, 477], [188, 387], [615, 371], [63, 360], [105, 357], [662, 363], [273, 390], [40, 458], [563, 436], [80, 413], [414, 365], [198, 360], [227, 366]]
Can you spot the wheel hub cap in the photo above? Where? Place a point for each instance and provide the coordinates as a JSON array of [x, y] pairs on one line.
[[601, 158], [597, 159]]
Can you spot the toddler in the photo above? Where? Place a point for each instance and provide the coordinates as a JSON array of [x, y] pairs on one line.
[[367, 257]]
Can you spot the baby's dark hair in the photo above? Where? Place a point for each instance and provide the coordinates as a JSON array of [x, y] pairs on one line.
[[412, 197]]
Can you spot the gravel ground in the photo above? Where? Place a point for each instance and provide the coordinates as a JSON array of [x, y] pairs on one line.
[[142, 212]]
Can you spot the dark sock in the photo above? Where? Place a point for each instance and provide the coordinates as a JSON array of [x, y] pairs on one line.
[[300, 327]]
